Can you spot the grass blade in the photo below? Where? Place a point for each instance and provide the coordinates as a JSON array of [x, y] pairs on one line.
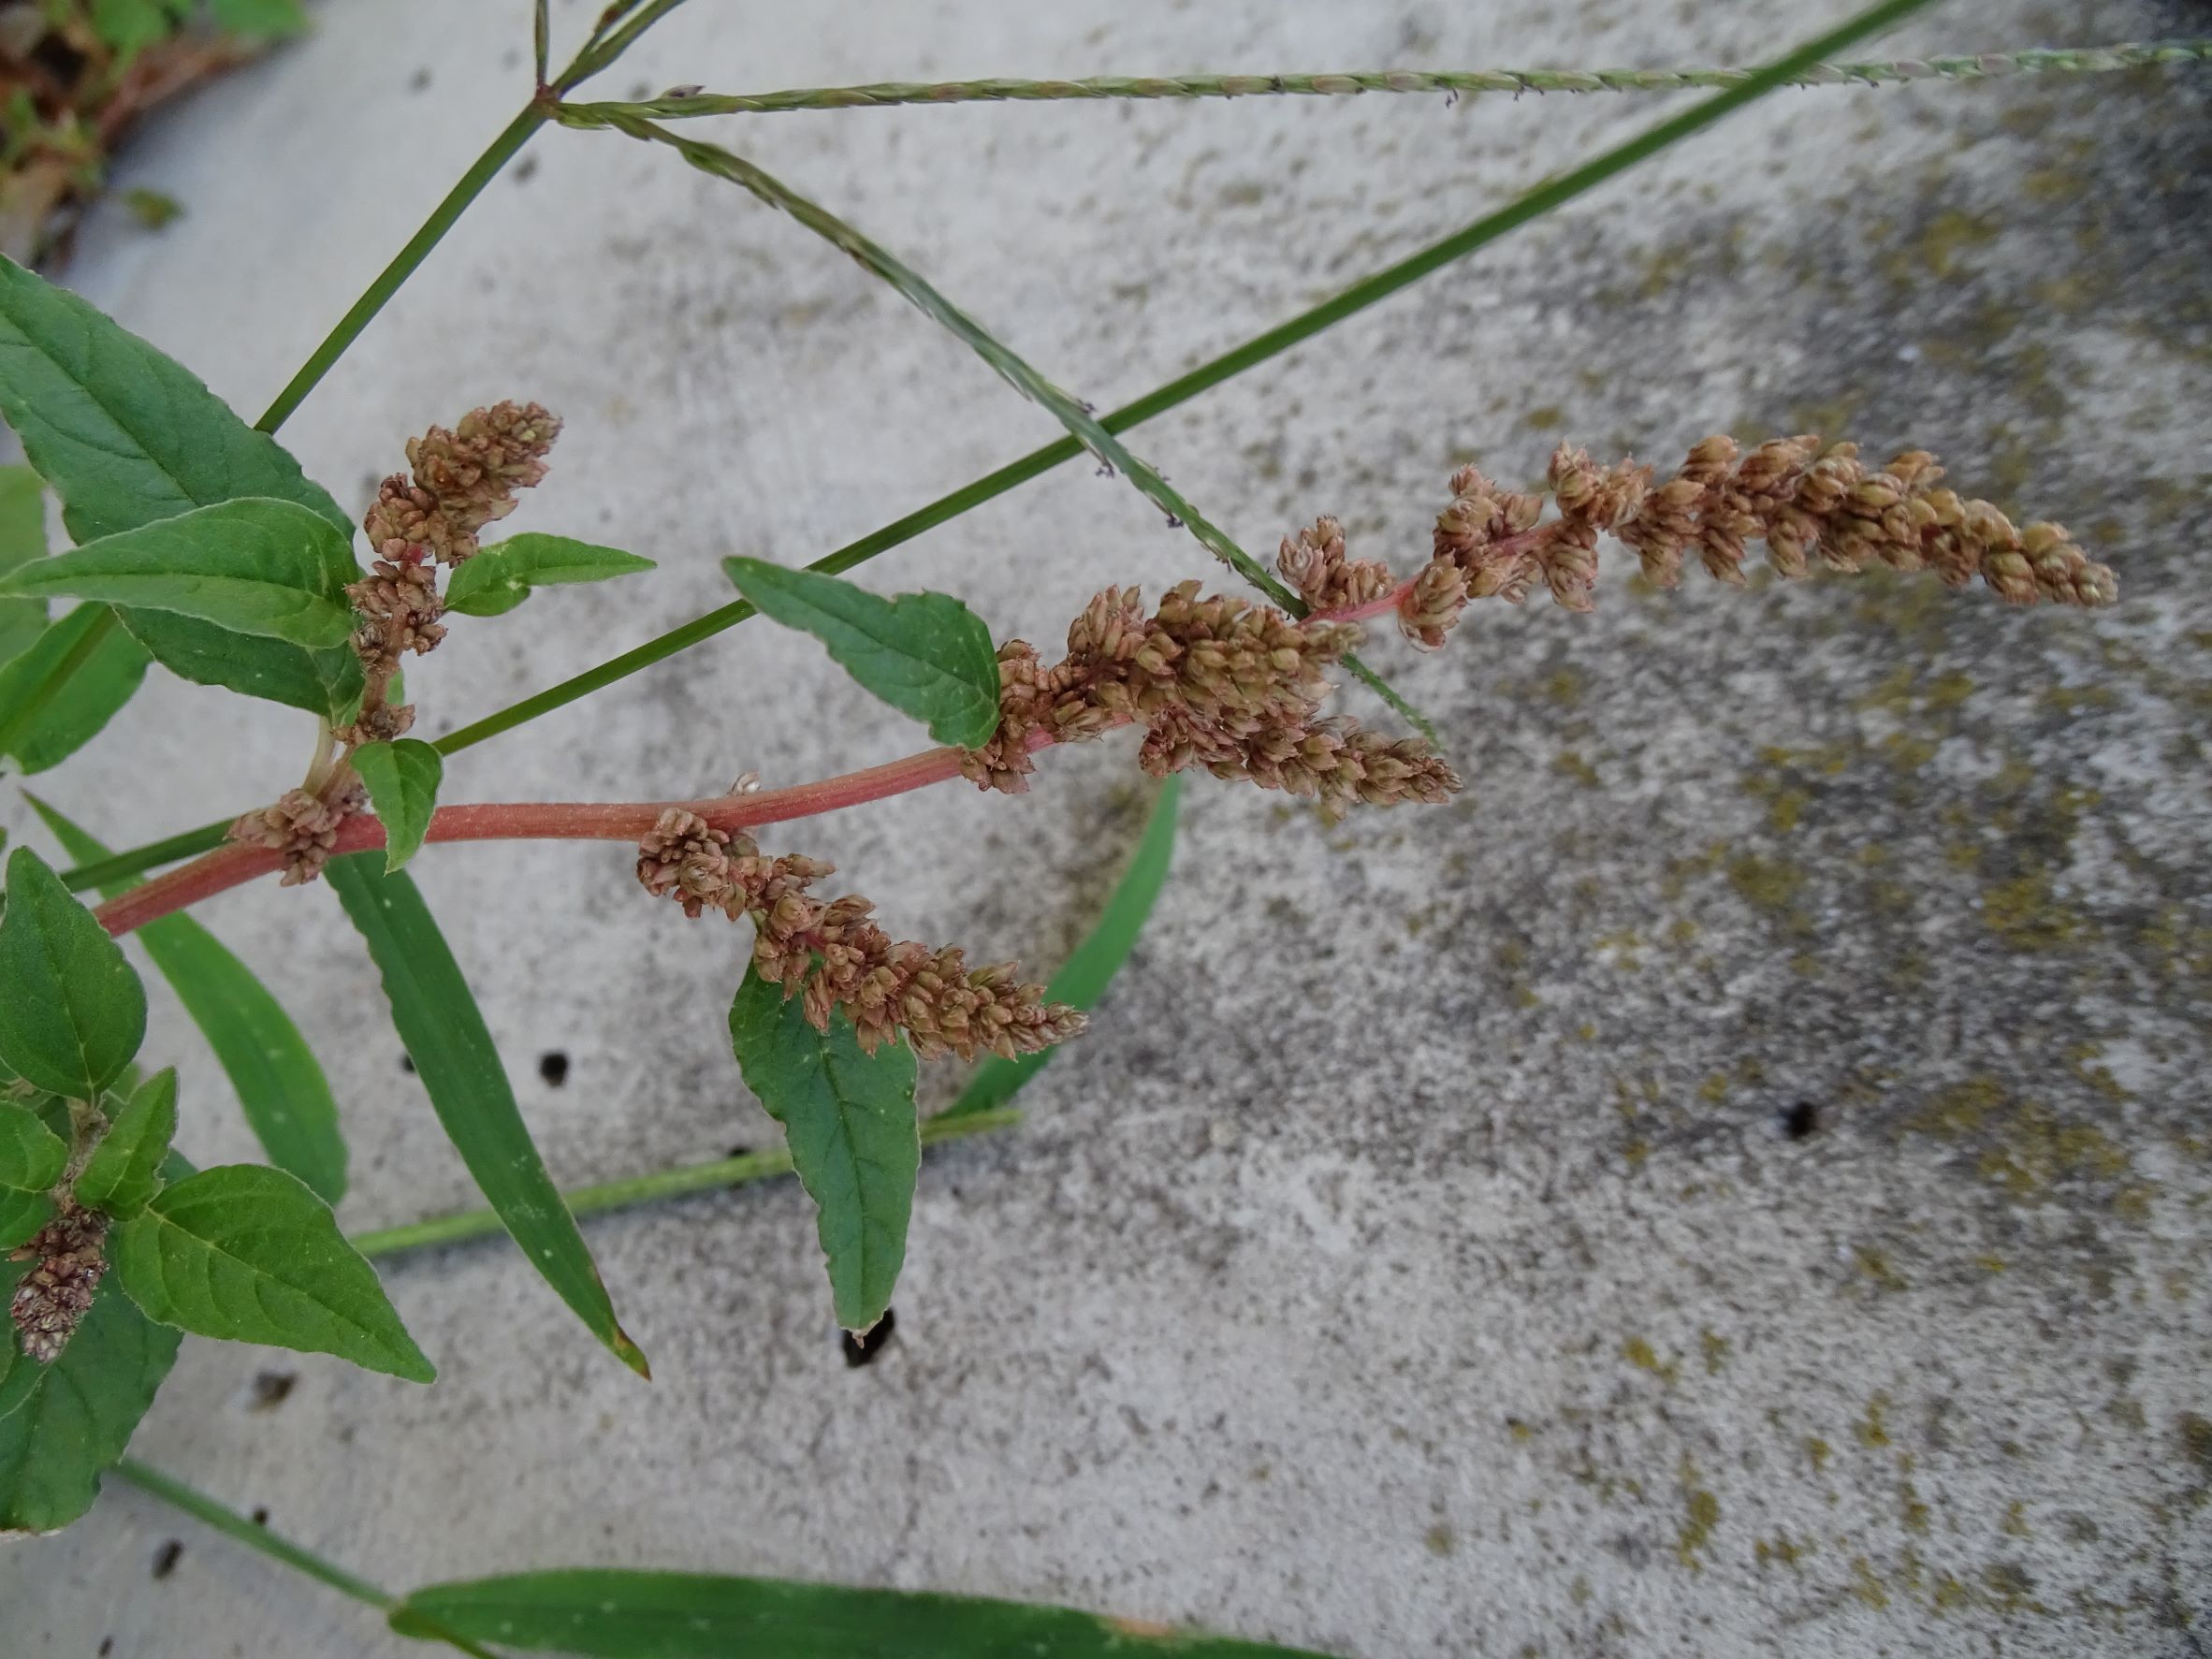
[[630, 1190], [280, 1083], [452, 1053], [1458, 82], [255, 1535], [609, 1613], [1084, 976], [1014, 370]]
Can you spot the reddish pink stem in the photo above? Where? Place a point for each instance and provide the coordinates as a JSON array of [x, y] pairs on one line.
[[584, 821], [528, 820], [1381, 605]]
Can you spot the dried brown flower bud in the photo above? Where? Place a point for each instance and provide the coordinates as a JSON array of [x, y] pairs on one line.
[[302, 826], [465, 477], [1567, 552], [403, 520], [1315, 564], [1601, 498], [52, 1298], [683, 857], [398, 607], [1432, 607], [379, 724]]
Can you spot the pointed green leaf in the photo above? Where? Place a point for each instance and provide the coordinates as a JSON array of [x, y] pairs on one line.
[[71, 1420], [855, 1142], [72, 1012], [257, 566], [124, 1170], [49, 1110], [248, 1254], [123, 433], [22, 538], [280, 1083], [402, 779], [609, 1613], [1084, 976], [501, 576], [452, 1053], [926, 654], [327, 683], [69, 711], [32, 1159]]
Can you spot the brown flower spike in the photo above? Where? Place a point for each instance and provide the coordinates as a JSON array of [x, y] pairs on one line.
[[464, 478], [51, 1299], [1216, 682], [1807, 504], [836, 958]]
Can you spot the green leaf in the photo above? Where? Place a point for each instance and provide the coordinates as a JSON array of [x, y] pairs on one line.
[[402, 779], [20, 1375], [32, 1159], [72, 1012], [248, 1254], [22, 538], [324, 683], [926, 654], [854, 1140], [452, 1053], [280, 1084], [1084, 976], [123, 433], [256, 566], [69, 712], [501, 576], [268, 20], [608, 1613], [126, 435], [124, 1170], [74, 1418]]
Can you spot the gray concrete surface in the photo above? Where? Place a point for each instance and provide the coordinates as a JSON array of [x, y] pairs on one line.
[[1412, 1260]]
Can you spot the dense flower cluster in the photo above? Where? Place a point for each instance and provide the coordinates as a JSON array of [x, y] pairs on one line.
[[836, 958], [396, 609], [465, 478], [304, 826], [1806, 502], [1314, 563], [50, 1301], [1216, 682]]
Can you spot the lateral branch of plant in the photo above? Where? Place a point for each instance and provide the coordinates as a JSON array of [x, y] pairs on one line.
[[685, 104], [1222, 683]]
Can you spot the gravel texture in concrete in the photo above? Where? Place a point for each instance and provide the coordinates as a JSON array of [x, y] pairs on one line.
[[1733, 1181]]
